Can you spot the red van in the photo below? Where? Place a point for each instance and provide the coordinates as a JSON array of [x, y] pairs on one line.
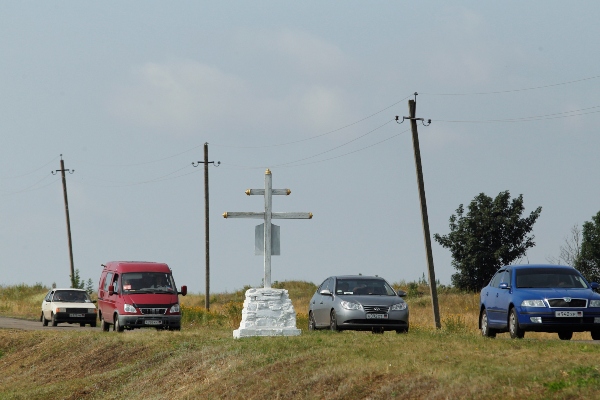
[[138, 294]]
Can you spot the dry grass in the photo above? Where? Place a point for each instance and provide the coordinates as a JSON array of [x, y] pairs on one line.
[[203, 361]]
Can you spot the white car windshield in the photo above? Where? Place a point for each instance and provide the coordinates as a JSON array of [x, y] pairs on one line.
[[363, 287], [71, 296]]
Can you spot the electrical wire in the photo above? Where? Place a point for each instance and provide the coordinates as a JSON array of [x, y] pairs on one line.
[[335, 148], [32, 171], [157, 179], [573, 113], [316, 136], [30, 188], [512, 90]]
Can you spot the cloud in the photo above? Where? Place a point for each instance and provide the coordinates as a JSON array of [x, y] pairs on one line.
[[182, 95]]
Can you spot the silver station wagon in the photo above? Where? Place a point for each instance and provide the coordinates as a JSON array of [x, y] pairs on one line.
[[356, 302]]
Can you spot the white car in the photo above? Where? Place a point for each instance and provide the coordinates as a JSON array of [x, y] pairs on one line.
[[68, 305]]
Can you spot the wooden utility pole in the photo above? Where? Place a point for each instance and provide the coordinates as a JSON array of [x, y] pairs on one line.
[[412, 108], [206, 226], [64, 184]]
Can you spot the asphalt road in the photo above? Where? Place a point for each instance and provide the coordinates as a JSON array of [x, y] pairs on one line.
[[28, 325]]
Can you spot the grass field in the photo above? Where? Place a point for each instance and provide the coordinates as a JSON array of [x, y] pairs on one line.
[[204, 361]]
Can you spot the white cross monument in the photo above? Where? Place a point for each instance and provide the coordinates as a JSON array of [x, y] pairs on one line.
[[267, 311]]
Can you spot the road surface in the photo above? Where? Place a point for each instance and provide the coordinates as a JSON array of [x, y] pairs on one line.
[[29, 325]]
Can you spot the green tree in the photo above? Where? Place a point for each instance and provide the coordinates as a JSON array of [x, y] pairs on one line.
[[588, 262], [490, 235], [77, 282]]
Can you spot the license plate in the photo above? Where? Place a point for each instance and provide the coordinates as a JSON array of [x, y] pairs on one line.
[[568, 314], [76, 315], [152, 322], [377, 316]]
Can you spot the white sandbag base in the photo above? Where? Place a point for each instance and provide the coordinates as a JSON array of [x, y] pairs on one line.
[[267, 312]]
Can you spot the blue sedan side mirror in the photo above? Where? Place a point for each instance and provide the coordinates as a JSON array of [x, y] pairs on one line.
[[594, 285], [401, 293], [503, 285]]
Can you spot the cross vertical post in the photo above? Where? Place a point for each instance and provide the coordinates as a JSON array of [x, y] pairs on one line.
[[267, 230]]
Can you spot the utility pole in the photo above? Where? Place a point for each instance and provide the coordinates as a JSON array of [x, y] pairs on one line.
[[412, 108], [206, 225], [64, 184]]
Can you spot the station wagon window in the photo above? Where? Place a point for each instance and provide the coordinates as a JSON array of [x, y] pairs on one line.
[[496, 279], [550, 278], [505, 277]]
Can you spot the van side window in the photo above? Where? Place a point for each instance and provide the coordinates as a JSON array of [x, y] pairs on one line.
[[107, 280], [116, 284]]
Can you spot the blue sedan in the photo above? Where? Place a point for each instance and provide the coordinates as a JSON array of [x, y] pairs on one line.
[[539, 298]]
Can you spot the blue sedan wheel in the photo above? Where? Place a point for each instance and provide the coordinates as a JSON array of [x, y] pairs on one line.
[[513, 325], [486, 331]]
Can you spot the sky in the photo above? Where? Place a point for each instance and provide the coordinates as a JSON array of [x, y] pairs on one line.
[[129, 92]]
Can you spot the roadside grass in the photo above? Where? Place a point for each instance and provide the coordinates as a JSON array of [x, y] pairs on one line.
[[22, 301], [204, 361], [208, 363]]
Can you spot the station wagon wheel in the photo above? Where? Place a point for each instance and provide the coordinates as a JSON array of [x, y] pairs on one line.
[[54, 323], [565, 335], [44, 320], [333, 322], [595, 335], [486, 331], [513, 326], [312, 325]]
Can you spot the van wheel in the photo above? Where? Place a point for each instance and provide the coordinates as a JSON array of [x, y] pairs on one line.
[[104, 325], [117, 326]]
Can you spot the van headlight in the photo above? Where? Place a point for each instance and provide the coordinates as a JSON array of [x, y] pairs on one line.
[[398, 307], [533, 303], [174, 309], [129, 308]]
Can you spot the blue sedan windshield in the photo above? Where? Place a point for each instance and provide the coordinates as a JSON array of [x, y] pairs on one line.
[[549, 278]]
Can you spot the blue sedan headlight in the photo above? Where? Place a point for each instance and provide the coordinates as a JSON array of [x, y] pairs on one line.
[[398, 307], [533, 303], [349, 305], [594, 303]]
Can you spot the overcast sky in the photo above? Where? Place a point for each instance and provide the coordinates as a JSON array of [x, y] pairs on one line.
[[128, 93]]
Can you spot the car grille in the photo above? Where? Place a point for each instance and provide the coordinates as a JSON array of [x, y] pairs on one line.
[[77, 310], [153, 311], [562, 303], [376, 309]]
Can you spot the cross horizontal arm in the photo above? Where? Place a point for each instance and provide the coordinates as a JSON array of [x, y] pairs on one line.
[[255, 215], [261, 192], [291, 215]]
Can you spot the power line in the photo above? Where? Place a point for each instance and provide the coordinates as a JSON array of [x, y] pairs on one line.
[[325, 159], [513, 90], [32, 171], [317, 136], [573, 113]]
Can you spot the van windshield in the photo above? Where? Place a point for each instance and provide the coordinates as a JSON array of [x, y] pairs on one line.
[[148, 282]]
